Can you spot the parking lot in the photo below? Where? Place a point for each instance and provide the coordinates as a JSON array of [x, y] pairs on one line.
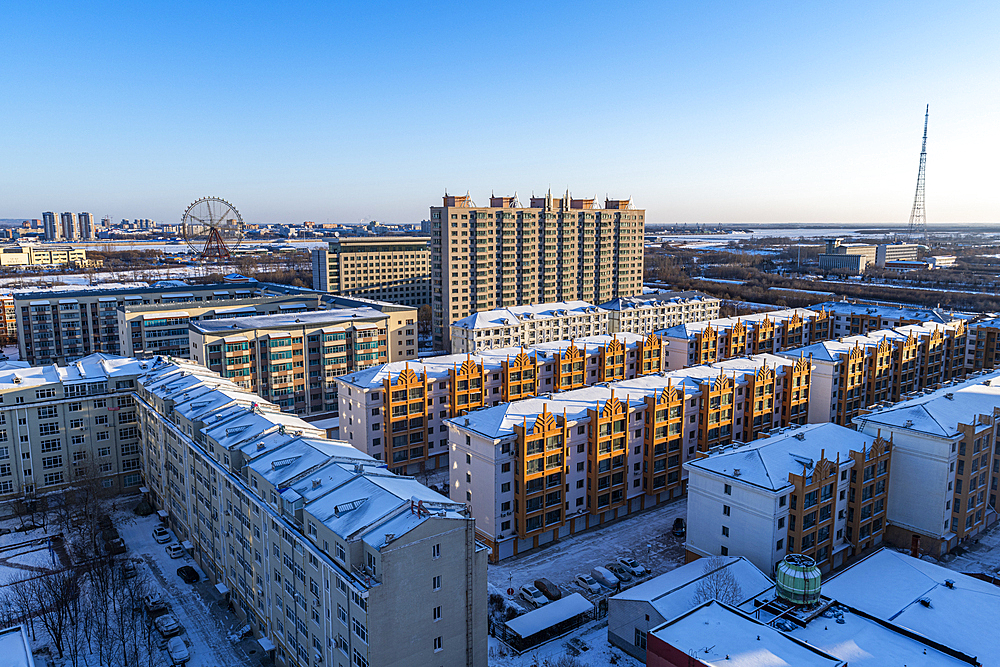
[[645, 537]]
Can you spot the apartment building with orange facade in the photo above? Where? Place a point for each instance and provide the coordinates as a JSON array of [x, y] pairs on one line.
[[294, 360], [945, 463], [505, 254], [855, 372], [397, 412], [545, 467], [9, 317], [709, 341], [819, 490]]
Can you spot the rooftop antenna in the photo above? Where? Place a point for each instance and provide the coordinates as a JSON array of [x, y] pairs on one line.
[[918, 217]]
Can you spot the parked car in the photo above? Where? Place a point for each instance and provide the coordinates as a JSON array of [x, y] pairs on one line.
[[588, 583], [632, 566], [620, 572], [679, 527], [129, 569], [109, 534], [178, 651], [188, 574], [154, 604], [548, 589], [116, 547], [161, 535], [167, 625], [175, 550], [533, 596], [604, 577]]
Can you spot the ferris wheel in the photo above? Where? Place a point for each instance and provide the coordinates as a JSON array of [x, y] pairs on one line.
[[213, 228]]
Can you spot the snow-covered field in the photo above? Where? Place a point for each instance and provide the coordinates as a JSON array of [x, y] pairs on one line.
[[645, 537]]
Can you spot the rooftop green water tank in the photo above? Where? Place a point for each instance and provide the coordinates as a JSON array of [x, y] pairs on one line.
[[797, 579]]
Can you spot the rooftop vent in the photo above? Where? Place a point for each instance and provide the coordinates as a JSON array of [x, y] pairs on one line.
[[926, 602], [260, 446], [950, 583], [908, 423], [316, 483], [343, 508], [950, 396], [281, 463], [797, 580], [799, 436], [736, 472]]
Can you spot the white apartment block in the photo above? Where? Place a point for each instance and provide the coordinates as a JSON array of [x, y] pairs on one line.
[[536, 469], [851, 319], [655, 311], [380, 412], [328, 557], [61, 425], [944, 463], [818, 489], [528, 325]]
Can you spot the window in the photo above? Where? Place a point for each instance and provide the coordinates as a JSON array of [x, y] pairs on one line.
[[640, 639], [725, 531], [725, 510], [76, 423], [52, 478], [724, 551], [436, 551], [361, 631], [436, 583], [437, 644], [728, 490], [437, 613]]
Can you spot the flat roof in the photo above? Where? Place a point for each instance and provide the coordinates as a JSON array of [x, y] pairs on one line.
[[287, 320], [550, 614]]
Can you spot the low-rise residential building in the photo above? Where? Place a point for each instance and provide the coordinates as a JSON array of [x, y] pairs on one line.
[[944, 465], [634, 612], [515, 326], [322, 552], [772, 332], [397, 412], [655, 311], [390, 268], [544, 467], [983, 343], [851, 318], [818, 490], [162, 329], [294, 359], [856, 372], [64, 425]]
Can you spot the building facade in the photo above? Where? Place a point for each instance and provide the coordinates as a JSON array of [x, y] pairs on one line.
[[162, 329], [894, 252], [655, 311], [527, 325], [382, 410], [536, 469], [66, 425], [944, 465], [851, 258], [51, 226], [322, 552], [819, 490], [295, 359], [391, 268], [556, 249]]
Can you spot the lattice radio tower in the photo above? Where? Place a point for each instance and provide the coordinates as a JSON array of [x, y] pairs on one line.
[[918, 216]]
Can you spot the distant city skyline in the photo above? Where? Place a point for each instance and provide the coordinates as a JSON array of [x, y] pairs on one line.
[[343, 112]]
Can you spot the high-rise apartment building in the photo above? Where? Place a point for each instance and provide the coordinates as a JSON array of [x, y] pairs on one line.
[[50, 224], [87, 230], [389, 268], [68, 222], [323, 552], [556, 249]]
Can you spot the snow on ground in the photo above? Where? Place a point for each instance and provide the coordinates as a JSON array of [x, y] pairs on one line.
[[593, 635], [207, 625], [11, 352], [979, 555], [644, 536], [125, 275]]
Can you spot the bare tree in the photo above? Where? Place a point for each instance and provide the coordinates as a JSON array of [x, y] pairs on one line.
[[53, 594], [718, 583]]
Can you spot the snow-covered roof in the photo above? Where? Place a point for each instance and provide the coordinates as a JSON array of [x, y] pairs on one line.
[[498, 421], [891, 312], [15, 648], [92, 368], [550, 614], [767, 462], [718, 635], [654, 299], [890, 585], [939, 412], [689, 329], [314, 318], [516, 315], [673, 593]]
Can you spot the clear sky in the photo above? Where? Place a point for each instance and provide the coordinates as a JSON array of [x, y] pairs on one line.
[[342, 111]]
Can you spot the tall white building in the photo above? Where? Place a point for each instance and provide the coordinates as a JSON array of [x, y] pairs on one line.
[[517, 326], [818, 490], [69, 226], [653, 311]]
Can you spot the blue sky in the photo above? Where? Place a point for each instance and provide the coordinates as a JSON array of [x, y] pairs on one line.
[[340, 111]]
